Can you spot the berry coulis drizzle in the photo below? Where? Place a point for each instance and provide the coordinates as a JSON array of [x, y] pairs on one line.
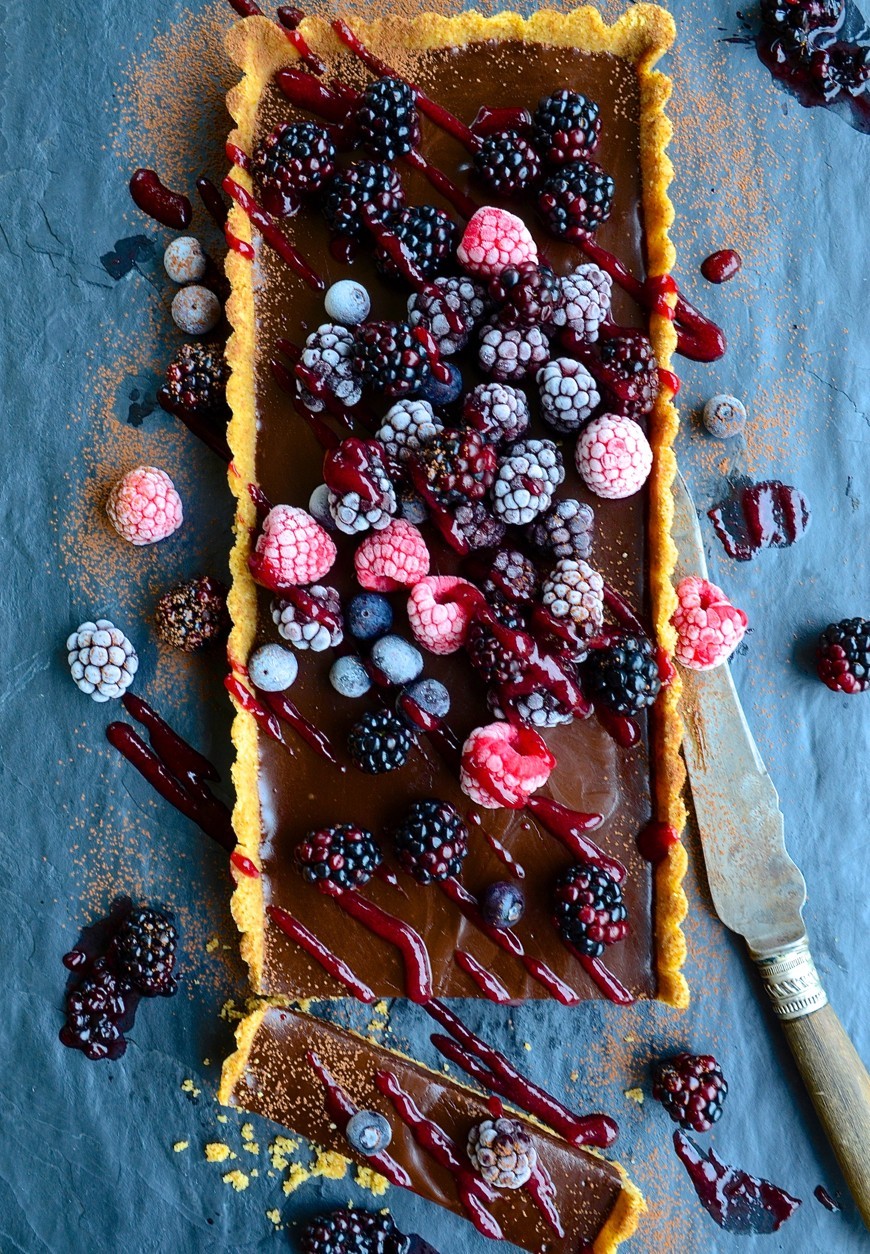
[[721, 266], [315, 949], [756, 516], [341, 1110], [412, 947], [169, 208], [490, 985], [738, 1202]]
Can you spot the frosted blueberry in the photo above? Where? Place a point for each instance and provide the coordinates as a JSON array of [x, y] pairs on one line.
[[430, 696], [369, 615], [724, 416], [185, 260], [347, 302], [439, 394], [349, 677], [399, 661], [368, 1132], [196, 310], [318, 507], [272, 668]]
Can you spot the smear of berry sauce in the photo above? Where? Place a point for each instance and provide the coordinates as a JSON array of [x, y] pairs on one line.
[[756, 516], [738, 1202]]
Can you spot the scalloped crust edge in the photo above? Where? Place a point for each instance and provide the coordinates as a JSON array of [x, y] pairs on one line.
[[620, 1224], [641, 35]]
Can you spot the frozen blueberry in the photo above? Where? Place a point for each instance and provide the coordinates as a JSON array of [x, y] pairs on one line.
[[350, 677], [412, 508], [396, 659], [347, 302], [196, 310], [429, 695], [185, 260], [724, 416], [318, 507], [272, 668], [368, 1132], [369, 615], [439, 394], [502, 904]]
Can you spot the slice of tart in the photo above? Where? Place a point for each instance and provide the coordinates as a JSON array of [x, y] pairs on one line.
[[476, 436]]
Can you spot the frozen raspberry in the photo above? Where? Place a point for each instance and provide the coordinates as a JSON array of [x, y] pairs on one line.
[[291, 549], [511, 353], [503, 765], [396, 557], [498, 411], [709, 628], [493, 240], [613, 457], [144, 506], [574, 590], [585, 301], [568, 394], [439, 611]]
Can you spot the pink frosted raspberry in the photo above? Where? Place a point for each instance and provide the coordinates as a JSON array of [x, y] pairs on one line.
[[144, 506], [292, 549], [396, 557], [613, 457], [709, 628], [503, 765], [439, 611], [493, 240]]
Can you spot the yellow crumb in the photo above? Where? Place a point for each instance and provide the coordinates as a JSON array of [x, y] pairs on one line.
[[376, 1184], [527, 1046], [222, 1118], [252, 1147], [211, 945], [275, 1217], [631, 1039], [206, 1062], [296, 1175], [280, 1149], [188, 1086], [247, 1131], [180, 1145], [635, 1095], [237, 1179], [329, 1163], [382, 1009], [575, 1076], [254, 1173], [218, 1152]]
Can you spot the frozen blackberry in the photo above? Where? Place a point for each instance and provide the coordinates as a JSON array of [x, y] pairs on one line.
[[428, 238], [379, 742], [588, 909], [353, 511], [629, 371], [585, 301], [488, 655], [566, 530], [567, 126], [389, 358], [386, 119], [145, 952], [295, 160], [431, 841], [459, 463], [528, 475], [512, 353], [577, 198], [193, 614], [479, 528], [529, 294], [624, 674], [462, 296], [568, 394], [843, 656], [96, 1011], [500, 412], [328, 354], [196, 379], [510, 576], [345, 856], [363, 183], [574, 590], [502, 1152], [353, 1231], [311, 619], [407, 427], [692, 1089], [507, 163]]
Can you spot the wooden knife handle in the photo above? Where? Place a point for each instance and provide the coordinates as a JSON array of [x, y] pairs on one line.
[[835, 1077]]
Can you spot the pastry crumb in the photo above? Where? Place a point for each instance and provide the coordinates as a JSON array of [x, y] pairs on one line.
[[635, 1095], [247, 1131], [222, 1118], [279, 1151], [218, 1152], [527, 1046], [274, 1216], [237, 1179], [211, 945], [376, 1184], [329, 1164], [188, 1086], [296, 1175], [181, 1145], [252, 1147], [575, 1076]]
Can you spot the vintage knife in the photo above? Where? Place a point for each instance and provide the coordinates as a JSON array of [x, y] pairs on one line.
[[758, 890]]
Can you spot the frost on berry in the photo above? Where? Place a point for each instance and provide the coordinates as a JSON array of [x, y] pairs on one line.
[[709, 628], [503, 765], [495, 239], [439, 611], [144, 506], [396, 557], [613, 457], [292, 549]]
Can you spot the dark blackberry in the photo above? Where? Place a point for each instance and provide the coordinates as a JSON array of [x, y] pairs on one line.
[[193, 614], [295, 160], [629, 370], [692, 1089], [345, 855], [498, 411], [428, 237], [431, 841], [96, 1012], [363, 183], [145, 952], [510, 576], [390, 359], [588, 909], [567, 126], [623, 675], [566, 530], [462, 296], [196, 378], [477, 525], [507, 163], [843, 655], [459, 463], [488, 656], [387, 120], [530, 294], [578, 197], [352, 1231], [798, 21], [379, 742]]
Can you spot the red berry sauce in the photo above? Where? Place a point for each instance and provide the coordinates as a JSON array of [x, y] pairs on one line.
[[823, 1197], [769, 515], [721, 266], [656, 841], [170, 208], [738, 1202], [315, 949], [418, 969]]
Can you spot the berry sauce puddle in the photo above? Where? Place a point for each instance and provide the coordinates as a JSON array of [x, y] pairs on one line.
[[756, 516], [738, 1202], [112, 1001]]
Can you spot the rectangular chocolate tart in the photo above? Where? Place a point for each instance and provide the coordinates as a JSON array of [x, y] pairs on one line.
[[274, 1072], [462, 63]]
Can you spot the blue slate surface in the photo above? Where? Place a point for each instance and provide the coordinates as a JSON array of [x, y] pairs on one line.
[[86, 1164]]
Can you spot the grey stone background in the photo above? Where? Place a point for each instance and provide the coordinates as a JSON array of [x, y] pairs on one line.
[[86, 1164]]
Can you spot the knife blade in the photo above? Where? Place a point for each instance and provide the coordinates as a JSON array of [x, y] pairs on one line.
[[758, 890]]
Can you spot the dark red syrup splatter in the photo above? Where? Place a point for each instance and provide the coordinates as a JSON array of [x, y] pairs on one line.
[[209, 428], [315, 949], [823, 1197], [490, 985], [769, 515], [624, 730], [412, 947], [170, 208], [279, 703], [721, 266], [656, 840], [213, 201], [272, 235], [244, 865], [738, 1202], [569, 826]]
